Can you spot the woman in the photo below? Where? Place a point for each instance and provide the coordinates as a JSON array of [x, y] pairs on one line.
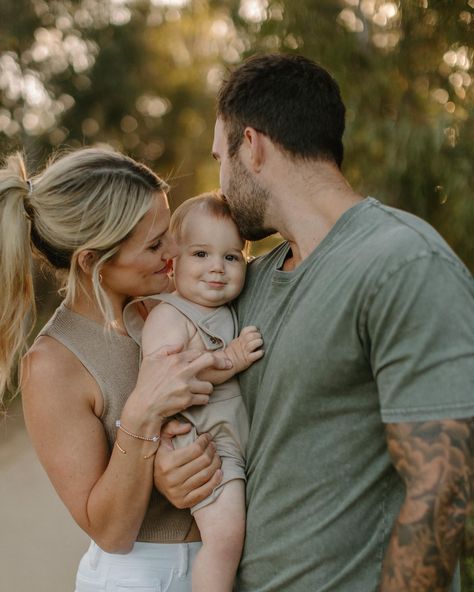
[[101, 221]]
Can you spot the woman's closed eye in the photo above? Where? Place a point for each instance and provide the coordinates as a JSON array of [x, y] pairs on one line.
[[155, 246]]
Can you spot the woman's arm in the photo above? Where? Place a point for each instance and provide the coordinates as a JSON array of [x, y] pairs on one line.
[[61, 404], [107, 496]]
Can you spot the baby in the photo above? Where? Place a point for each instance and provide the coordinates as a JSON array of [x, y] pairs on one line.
[[209, 273]]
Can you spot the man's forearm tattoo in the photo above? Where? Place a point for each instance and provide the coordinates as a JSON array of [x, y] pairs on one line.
[[435, 460]]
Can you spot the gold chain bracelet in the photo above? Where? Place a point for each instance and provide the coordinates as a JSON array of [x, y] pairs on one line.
[[147, 456], [119, 425]]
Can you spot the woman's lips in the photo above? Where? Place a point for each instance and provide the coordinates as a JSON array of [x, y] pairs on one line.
[[166, 268]]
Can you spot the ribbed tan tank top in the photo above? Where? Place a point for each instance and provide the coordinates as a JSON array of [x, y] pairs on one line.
[[113, 361]]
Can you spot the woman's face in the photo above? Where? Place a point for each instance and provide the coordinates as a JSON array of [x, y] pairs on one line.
[[142, 265]]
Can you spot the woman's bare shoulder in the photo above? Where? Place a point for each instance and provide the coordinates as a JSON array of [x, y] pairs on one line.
[[48, 358], [51, 370]]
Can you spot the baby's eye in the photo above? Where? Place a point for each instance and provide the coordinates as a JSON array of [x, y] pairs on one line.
[[155, 246], [200, 254], [232, 258]]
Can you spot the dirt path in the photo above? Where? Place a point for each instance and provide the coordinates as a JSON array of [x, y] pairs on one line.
[[40, 545]]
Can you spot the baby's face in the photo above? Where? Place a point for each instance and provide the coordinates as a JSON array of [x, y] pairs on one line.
[[210, 267]]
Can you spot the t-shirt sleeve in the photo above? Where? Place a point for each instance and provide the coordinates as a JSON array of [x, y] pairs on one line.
[[420, 332]]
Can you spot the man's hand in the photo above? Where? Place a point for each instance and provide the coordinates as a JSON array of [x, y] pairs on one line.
[[245, 349], [187, 475], [435, 460]]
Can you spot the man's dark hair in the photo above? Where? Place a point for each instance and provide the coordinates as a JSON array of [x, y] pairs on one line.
[[289, 98]]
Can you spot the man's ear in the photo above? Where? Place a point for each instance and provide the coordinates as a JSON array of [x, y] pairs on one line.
[[254, 142], [86, 260]]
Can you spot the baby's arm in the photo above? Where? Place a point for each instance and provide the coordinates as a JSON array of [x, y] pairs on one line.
[[242, 351], [164, 326]]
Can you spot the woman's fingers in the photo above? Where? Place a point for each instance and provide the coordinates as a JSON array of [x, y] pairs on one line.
[[196, 392], [179, 472], [200, 493], [166, 350], [198, 400], [168, 380], [174, 351], [175, 428], [202, 472], [200, 387], [208, 360], [195, 456]]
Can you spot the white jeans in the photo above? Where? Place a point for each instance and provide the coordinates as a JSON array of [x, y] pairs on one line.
[[149, 567]]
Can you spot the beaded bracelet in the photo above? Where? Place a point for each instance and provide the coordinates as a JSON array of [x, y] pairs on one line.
[[119, 425]]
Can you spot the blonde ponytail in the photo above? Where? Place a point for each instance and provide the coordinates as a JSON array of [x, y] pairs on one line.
[[17, 305], [88, 199]]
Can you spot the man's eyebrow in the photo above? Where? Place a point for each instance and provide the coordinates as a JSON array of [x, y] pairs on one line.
[[215, 156]]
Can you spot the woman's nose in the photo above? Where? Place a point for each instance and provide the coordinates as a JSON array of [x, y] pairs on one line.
[[171, 248]]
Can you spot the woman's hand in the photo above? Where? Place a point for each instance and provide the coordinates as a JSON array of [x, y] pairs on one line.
[[188, 475], [167, 384]]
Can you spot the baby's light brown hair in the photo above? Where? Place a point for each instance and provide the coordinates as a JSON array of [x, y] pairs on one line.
[[210, 203]]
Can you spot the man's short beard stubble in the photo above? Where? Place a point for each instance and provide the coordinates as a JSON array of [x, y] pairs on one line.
[[247, 201]]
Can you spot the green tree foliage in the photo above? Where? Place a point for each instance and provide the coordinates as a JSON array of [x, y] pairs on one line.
[[141, 75]]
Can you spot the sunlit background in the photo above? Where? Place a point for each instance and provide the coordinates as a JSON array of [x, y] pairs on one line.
[[141, 76]]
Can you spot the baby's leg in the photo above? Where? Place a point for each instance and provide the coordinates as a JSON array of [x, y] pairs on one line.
[[222, 528]]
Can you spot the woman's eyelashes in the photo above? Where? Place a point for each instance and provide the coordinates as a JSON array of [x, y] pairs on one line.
[[155, 246]]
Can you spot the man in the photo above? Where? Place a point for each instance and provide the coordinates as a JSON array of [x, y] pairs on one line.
[[361, 431]]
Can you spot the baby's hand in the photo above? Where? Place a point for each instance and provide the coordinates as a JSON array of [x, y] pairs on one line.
[[245, 349]]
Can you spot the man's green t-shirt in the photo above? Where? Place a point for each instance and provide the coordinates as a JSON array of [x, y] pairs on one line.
[[376, 325]]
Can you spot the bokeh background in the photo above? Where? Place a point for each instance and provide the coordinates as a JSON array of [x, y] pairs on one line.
[[141, 76]]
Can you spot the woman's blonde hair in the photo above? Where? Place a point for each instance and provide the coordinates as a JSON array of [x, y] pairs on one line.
[[210, 203], [87, 199]]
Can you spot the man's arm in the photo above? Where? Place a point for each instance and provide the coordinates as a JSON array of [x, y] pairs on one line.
[[435, 461]]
